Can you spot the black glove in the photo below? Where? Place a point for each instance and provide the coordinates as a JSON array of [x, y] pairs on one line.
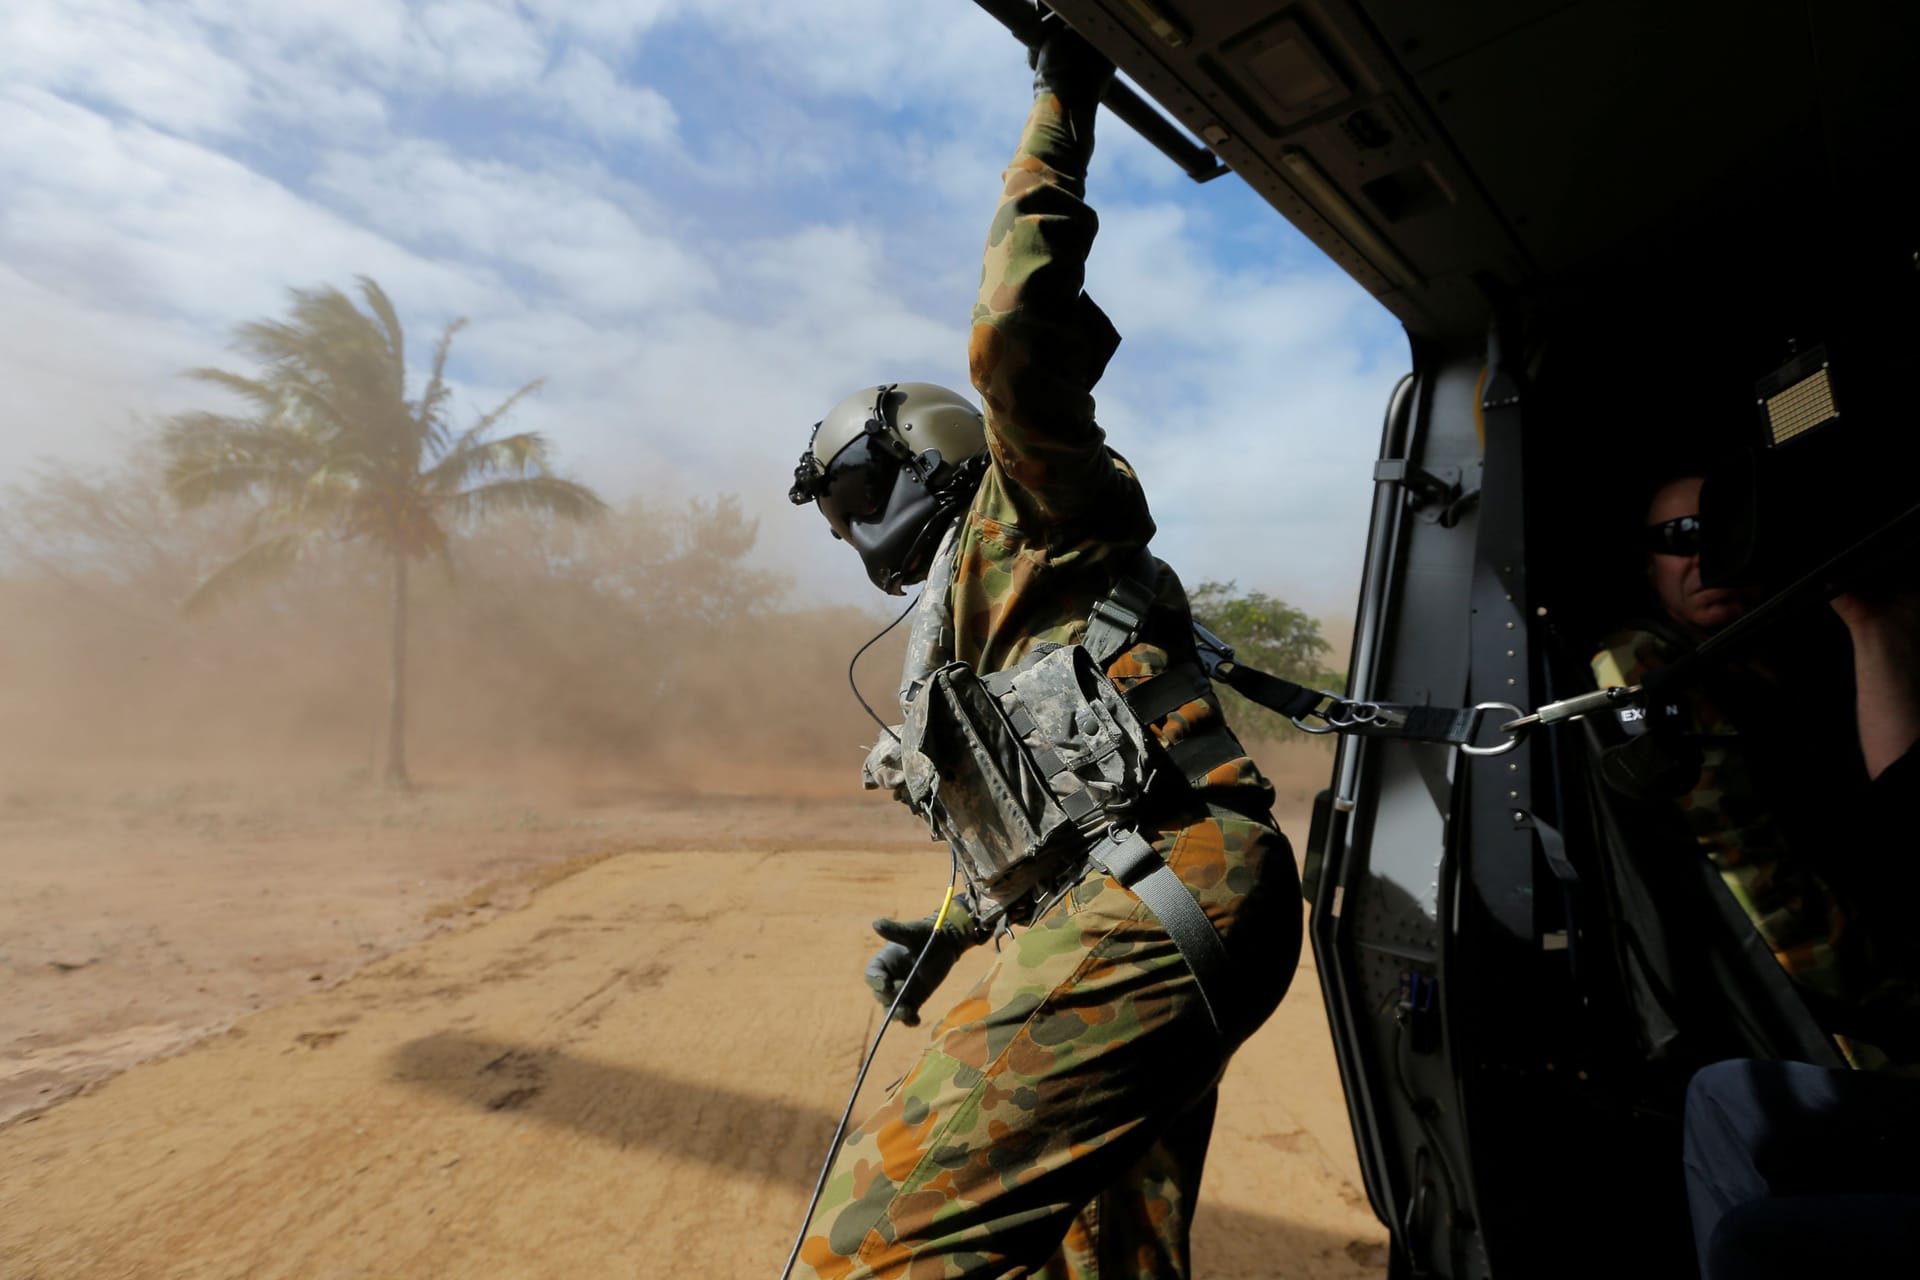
[[890, 965], [1065, 64]]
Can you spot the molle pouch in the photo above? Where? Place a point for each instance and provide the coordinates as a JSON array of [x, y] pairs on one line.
[[1023, 770]]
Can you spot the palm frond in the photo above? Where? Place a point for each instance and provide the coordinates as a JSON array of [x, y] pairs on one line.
[[341, 361], [262, 562], [315, 399], [210, 456], [488, 421], [264, 395], [336, 448], [382, 308], [545, 495], [431, 424], [524, 453]]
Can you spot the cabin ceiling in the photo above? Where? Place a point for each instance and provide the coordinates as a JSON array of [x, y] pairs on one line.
[[1444, 152]]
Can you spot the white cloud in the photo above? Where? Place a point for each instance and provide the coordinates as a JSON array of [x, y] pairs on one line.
[[218, 68], [699, 278], [566, 228], [122, 213], [609, 109], [471, 46], [884, 51], [76, 372], [132, 57]]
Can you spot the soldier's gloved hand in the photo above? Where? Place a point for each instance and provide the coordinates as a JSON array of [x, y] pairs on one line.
[[888, 969], [1065, 64], [884, 769]]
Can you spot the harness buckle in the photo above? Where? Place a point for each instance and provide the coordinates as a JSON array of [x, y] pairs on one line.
[[1513, 729]]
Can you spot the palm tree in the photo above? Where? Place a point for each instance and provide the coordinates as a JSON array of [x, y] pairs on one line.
[[335, 450]]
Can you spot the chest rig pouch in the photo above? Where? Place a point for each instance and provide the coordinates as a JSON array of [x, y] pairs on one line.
[[1034, 773], [1025, 769]]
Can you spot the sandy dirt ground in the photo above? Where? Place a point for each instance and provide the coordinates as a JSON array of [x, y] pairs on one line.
[[467, 1032]]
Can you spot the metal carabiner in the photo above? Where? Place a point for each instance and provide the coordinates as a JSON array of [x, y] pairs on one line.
[[1331, 710], [1346, 715], [1473, 728]]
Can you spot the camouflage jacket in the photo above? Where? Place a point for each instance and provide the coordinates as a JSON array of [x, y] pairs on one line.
[[1058, 512], [1728, 814]]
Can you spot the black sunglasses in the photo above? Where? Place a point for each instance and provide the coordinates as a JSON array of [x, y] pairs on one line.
[[1678, 537]]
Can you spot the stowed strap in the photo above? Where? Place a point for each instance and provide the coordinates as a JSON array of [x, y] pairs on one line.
[[1113, 627], [1069, 785], [1157, 697], [1116, 618], [1128, 858]]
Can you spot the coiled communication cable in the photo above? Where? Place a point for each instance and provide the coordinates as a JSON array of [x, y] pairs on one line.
[[946, 904], [840, 1130]]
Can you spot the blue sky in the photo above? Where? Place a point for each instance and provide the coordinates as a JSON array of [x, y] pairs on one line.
[[703, 221]]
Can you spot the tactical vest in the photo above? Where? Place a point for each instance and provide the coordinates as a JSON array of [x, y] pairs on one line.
[[1034, 772]]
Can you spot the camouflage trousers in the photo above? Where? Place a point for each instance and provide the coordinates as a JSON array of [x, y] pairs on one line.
[[1057, 1124]]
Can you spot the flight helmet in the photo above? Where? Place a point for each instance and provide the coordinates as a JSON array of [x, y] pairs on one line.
[[891, 467]]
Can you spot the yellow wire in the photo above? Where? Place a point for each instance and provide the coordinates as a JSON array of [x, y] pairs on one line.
[[946, 902]]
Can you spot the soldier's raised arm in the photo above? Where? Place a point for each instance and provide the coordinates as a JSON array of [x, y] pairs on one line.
[[1038, 344]]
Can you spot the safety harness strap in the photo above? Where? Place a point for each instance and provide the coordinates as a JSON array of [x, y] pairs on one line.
[[1128, 858], [1157, 697], [1289, 699], [1196, 757], [1116, 618]]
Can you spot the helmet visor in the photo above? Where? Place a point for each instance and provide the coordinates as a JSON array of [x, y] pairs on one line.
[[858, 483]]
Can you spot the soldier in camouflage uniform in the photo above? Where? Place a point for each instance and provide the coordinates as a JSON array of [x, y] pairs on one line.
[[1793, 1170], [1728, 809], [1058, 1121]]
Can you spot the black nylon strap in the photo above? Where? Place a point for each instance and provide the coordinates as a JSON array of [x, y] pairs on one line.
[[1198, 756], [1284, 696], [1157, 697], [1450, 725], [1116, 619], [1128, 858]]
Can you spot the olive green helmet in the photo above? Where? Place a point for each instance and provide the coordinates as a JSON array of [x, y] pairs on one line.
[[890, 467]]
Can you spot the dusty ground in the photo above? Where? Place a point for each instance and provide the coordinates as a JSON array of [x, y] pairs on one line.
[[467, 1032]]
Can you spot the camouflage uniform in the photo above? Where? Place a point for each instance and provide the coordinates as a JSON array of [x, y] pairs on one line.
[[1727, 812], [1058, 1122], [1851, 956]]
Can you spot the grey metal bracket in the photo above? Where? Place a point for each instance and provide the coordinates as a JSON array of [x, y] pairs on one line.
[[1439, 496]]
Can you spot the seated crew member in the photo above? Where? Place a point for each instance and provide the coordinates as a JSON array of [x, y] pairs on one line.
[[1061, 1114], [1737, 818], [1792, 1169]]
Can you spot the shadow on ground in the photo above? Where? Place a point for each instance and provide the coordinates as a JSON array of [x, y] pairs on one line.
[[764, 1138]]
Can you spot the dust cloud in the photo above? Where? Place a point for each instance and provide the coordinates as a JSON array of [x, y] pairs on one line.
[[634, 761], [646, 650], [192, 826], [643, 650]]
